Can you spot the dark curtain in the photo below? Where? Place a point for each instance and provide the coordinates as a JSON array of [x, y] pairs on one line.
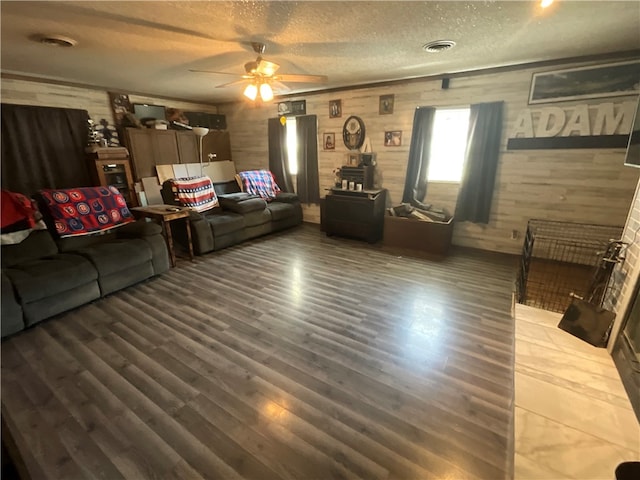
[[306, 136], [481, 163], [415, 183], [278, 161], [43, 147]]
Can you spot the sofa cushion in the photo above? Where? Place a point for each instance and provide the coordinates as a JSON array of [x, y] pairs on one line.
[[38, 244], [286, 197], [194, 192], [50, 276], [242, 205], [224, 188], [138, 229], [259, 182], [258, 217], [72, 244], [117, 255], [225, 223], [281, 211], [85, 210]]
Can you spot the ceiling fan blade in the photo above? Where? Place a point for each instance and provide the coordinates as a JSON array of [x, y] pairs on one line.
[[219, 73], [280, 86], [235, 82], [293, 78]]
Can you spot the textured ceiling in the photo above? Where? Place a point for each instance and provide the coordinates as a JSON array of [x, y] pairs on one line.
[[149, 47]]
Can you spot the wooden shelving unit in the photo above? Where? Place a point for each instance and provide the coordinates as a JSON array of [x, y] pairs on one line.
[[113, 167]]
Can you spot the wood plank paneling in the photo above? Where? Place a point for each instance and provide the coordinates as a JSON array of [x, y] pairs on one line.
[[584, 186], [335, 360], [96, 102]]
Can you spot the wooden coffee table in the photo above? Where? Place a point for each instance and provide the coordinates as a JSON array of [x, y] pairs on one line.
[[164, 215]]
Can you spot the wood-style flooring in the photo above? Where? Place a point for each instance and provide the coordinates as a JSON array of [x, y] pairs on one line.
[[292, 356]]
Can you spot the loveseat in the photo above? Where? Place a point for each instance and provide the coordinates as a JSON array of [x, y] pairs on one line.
[[45, 274], [238, 216]]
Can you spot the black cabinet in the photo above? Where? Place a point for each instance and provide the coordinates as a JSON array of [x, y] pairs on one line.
[[355, 214]]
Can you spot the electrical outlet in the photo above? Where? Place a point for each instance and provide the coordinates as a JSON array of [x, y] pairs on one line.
[[514, 234]]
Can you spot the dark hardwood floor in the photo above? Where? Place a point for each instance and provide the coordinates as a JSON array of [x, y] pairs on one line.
[[292, 356]]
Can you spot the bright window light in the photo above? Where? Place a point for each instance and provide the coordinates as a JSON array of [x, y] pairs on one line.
[[448, 144], [292, 145]]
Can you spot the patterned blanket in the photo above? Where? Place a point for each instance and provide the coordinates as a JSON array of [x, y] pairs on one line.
[[196, 193], [259, 182], [82, 211]]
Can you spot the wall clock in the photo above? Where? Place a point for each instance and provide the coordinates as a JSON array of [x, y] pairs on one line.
[[353, 132]]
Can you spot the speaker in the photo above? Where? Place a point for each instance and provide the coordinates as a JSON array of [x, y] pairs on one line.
[[445, 83]]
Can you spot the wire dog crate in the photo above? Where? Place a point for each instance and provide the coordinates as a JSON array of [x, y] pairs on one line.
[[558, 259]]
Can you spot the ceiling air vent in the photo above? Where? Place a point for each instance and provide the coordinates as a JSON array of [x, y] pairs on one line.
[[56, 40], [438, 46]]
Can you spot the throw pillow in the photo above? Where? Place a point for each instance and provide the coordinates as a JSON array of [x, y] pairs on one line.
[[196, 193], [259, 182], [86, 210]]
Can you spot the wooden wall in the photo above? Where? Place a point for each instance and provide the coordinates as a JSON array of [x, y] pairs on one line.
[[95, 101], [586, 185], [590, 185]]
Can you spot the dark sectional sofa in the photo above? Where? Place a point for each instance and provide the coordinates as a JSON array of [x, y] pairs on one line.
[[239, 217], [42, 277]]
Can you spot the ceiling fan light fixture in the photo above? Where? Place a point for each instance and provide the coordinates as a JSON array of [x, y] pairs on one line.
[[251, 92], [266, 92], [267, 68]]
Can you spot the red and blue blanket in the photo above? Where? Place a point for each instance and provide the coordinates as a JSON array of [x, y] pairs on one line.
[[196, 193], [259, 182], [82, 211]]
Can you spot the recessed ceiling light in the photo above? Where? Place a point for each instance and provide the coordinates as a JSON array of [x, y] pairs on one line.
[[55, 40], [438, 46]]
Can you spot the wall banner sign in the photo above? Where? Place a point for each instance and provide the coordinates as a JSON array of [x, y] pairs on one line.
[[606, 125]]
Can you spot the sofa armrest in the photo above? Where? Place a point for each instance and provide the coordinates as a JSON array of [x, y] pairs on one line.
[[138, 229], [286, 197], [201, 234], [195, 216]]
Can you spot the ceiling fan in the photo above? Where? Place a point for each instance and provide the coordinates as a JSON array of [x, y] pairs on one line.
[[260, 75]]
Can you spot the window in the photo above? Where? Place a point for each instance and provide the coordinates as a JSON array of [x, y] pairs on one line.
[[292, 145], [448, 144]]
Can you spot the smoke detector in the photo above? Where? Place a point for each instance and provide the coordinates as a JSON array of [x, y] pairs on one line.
[[55, 40], [438, 46]]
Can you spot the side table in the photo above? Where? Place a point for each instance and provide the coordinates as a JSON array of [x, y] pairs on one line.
[[165, 214]]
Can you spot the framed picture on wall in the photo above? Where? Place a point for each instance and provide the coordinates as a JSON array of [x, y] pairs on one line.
[[393, 138], [299, 107], [329, 142], [120, 105], [284, 108], [335, 108], [386, 105], [595, 81]]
